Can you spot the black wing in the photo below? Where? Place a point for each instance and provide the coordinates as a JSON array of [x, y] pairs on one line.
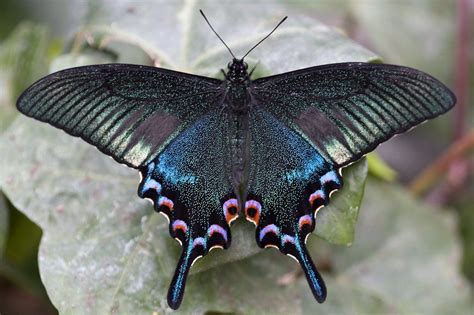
[[347, 109], [127, 111]]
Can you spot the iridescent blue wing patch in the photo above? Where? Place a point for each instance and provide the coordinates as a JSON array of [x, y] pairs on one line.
[[128, 112], [347, 109], [188, 182]]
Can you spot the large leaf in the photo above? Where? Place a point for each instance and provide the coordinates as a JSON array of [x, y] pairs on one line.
[[103, 249], [405, 260], [179, 38], [366, 278]]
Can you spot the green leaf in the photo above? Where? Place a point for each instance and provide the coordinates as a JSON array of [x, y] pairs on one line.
[[405, 259], [22, 61], [336, 223], [103, 249], [18, 262], [380, 169]]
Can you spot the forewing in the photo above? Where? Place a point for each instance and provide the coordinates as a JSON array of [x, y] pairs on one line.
[[347, 109], [189, 183], [127, 111]]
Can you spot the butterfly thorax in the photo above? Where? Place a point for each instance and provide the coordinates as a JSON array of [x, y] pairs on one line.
[[237, 98], [237, 79]]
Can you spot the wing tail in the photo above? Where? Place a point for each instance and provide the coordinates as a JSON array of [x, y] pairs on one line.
[[315, 281], [191, 252]]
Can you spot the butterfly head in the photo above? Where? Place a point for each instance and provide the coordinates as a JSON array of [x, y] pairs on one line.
[[237, 70]]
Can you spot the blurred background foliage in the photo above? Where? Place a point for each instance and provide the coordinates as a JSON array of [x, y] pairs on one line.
[[407, 256]]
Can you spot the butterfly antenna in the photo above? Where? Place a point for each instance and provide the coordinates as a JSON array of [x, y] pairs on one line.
[[205, 18], [281, 22]]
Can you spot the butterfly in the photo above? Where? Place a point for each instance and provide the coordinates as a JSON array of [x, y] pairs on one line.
[[211, 150]]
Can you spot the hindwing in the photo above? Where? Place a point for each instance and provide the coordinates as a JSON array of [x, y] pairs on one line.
[[189, 183], [289, 181]]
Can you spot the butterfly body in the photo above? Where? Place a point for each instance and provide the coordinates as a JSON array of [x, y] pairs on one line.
[[238, 101], [208, 150]]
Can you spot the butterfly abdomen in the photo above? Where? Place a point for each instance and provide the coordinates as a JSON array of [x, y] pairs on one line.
[[238, 142], [237, 106]]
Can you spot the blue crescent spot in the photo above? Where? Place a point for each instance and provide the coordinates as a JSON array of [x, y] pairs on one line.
[[254, 204], [228, 204], [231, 203], [199, 241], [287, 239], [269, 228], [330, 177], [179, 223], [150, 183], [151, 167], [317, 195], [217, 229], [166, 202], [305, 219]]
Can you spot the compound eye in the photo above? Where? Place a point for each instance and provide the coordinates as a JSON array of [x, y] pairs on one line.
[[246, 65], [229, 65]]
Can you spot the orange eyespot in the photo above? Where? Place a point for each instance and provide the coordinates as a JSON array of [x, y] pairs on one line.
[[231, 209], [252, 211]]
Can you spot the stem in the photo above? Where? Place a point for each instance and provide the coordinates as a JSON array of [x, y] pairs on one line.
[[429, 175], [462, 68], [453, 160]]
